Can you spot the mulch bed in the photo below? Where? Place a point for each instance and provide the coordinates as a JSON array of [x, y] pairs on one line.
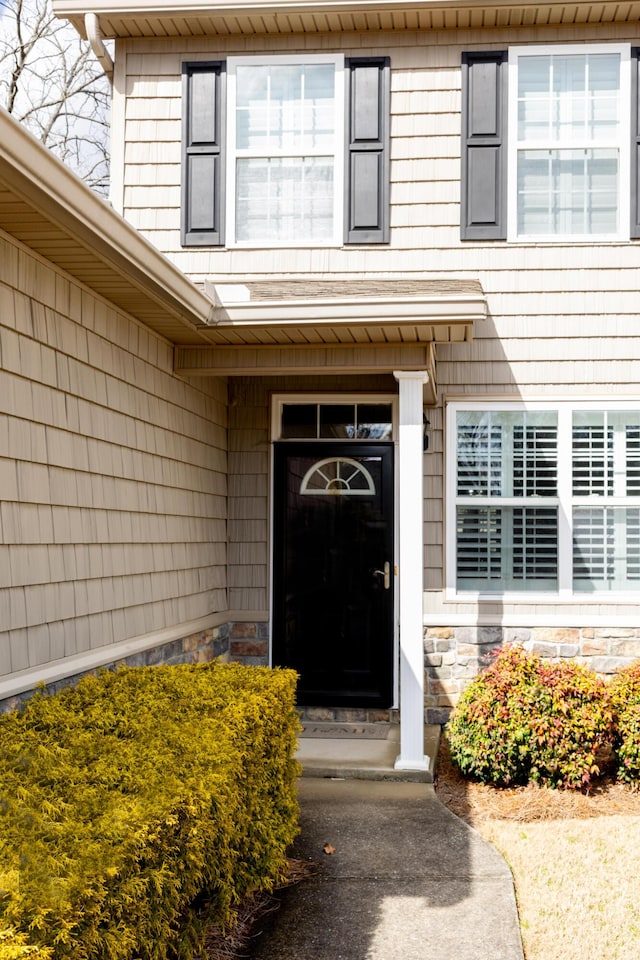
[[477, 802]]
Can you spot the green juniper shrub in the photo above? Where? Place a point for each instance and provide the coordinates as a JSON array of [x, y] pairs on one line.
[[132, 798], [625, 699], [16, 946], [525, 719]]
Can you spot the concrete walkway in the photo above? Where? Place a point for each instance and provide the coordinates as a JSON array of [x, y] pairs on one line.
[[408, 880]]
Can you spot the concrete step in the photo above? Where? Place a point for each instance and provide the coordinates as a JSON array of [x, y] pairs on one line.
[[343, 754]]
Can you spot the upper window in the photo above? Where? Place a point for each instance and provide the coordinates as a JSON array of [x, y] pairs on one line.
[[550, 135], [286, 151], [569, 144], [547, 499], [285, 135]]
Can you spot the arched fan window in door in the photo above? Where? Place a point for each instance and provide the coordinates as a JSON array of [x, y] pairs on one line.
[[338, 476]]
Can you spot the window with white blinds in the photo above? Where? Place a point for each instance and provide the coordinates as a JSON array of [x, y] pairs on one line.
[[606, 500], [523, 474]]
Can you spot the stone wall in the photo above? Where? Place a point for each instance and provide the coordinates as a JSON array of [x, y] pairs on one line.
[[455, 655], [199, 647], [249, 643]]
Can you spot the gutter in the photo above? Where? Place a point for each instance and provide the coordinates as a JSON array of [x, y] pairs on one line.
[[94, 36], [43, 182], [232, 306]]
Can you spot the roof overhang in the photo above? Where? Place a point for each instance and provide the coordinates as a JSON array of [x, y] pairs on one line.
[[46, 207], [49, 209], [366, 311], [145, 18], [333, 326]]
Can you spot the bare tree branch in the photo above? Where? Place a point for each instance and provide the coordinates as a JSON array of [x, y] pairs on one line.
[[52, 83]]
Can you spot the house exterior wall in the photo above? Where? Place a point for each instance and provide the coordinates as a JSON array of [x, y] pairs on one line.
[[112, 478], [562, 317]]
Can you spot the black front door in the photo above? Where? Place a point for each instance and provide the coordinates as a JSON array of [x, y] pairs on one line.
[[333, 571]]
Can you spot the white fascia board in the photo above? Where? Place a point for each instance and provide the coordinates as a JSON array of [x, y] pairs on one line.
[[463, 309], [74, 9], [35, 175]]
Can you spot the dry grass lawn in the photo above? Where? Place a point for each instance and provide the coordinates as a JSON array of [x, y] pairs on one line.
[[575, 860]]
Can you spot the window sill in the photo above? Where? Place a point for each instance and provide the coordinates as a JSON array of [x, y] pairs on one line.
[[567, 240], [546, 599]]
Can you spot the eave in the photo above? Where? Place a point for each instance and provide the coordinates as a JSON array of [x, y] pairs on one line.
[[336, 326], [372, 311], [151, 18], [46, 207]]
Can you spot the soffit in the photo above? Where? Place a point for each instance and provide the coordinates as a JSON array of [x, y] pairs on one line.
[[46, 207], [186, 18]]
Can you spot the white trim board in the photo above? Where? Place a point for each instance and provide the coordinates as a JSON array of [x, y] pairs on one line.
[[71, 666], [576, 620]]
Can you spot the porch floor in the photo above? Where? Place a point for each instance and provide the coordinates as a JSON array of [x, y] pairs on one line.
[[358, 757]]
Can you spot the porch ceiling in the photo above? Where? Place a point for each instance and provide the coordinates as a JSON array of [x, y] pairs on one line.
[[184, 18]]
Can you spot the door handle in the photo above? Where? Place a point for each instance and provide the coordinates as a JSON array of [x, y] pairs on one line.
[[385, 573]]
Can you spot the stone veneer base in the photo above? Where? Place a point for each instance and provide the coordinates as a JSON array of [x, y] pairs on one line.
[[453, 656], [198, 647]]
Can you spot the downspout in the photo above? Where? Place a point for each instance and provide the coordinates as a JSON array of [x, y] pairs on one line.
[[94, 36]]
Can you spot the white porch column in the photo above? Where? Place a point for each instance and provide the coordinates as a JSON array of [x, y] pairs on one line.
[[410, 494]]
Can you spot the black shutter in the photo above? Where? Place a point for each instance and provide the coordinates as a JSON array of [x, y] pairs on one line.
[[367, 160], [484, 146], [202, 153], [635, 144]]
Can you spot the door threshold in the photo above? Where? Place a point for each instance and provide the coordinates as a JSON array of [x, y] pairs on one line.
[[353, 715], [334, 730]]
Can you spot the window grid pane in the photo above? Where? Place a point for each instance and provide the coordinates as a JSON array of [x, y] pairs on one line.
[[507, 548], [479, 536], [592, 459], [535, 544], [479, 458], [633, 460], [567, 97], [506, 454], [285, 108], [606, 548], [535, 460], [633, 545], [284, 199], [568, 191], [344, 421], [606, 454]]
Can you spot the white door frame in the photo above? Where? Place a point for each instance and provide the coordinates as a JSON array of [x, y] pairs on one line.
[[317, 396]]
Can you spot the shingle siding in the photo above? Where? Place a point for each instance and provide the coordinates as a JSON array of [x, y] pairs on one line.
[[112, 473]]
